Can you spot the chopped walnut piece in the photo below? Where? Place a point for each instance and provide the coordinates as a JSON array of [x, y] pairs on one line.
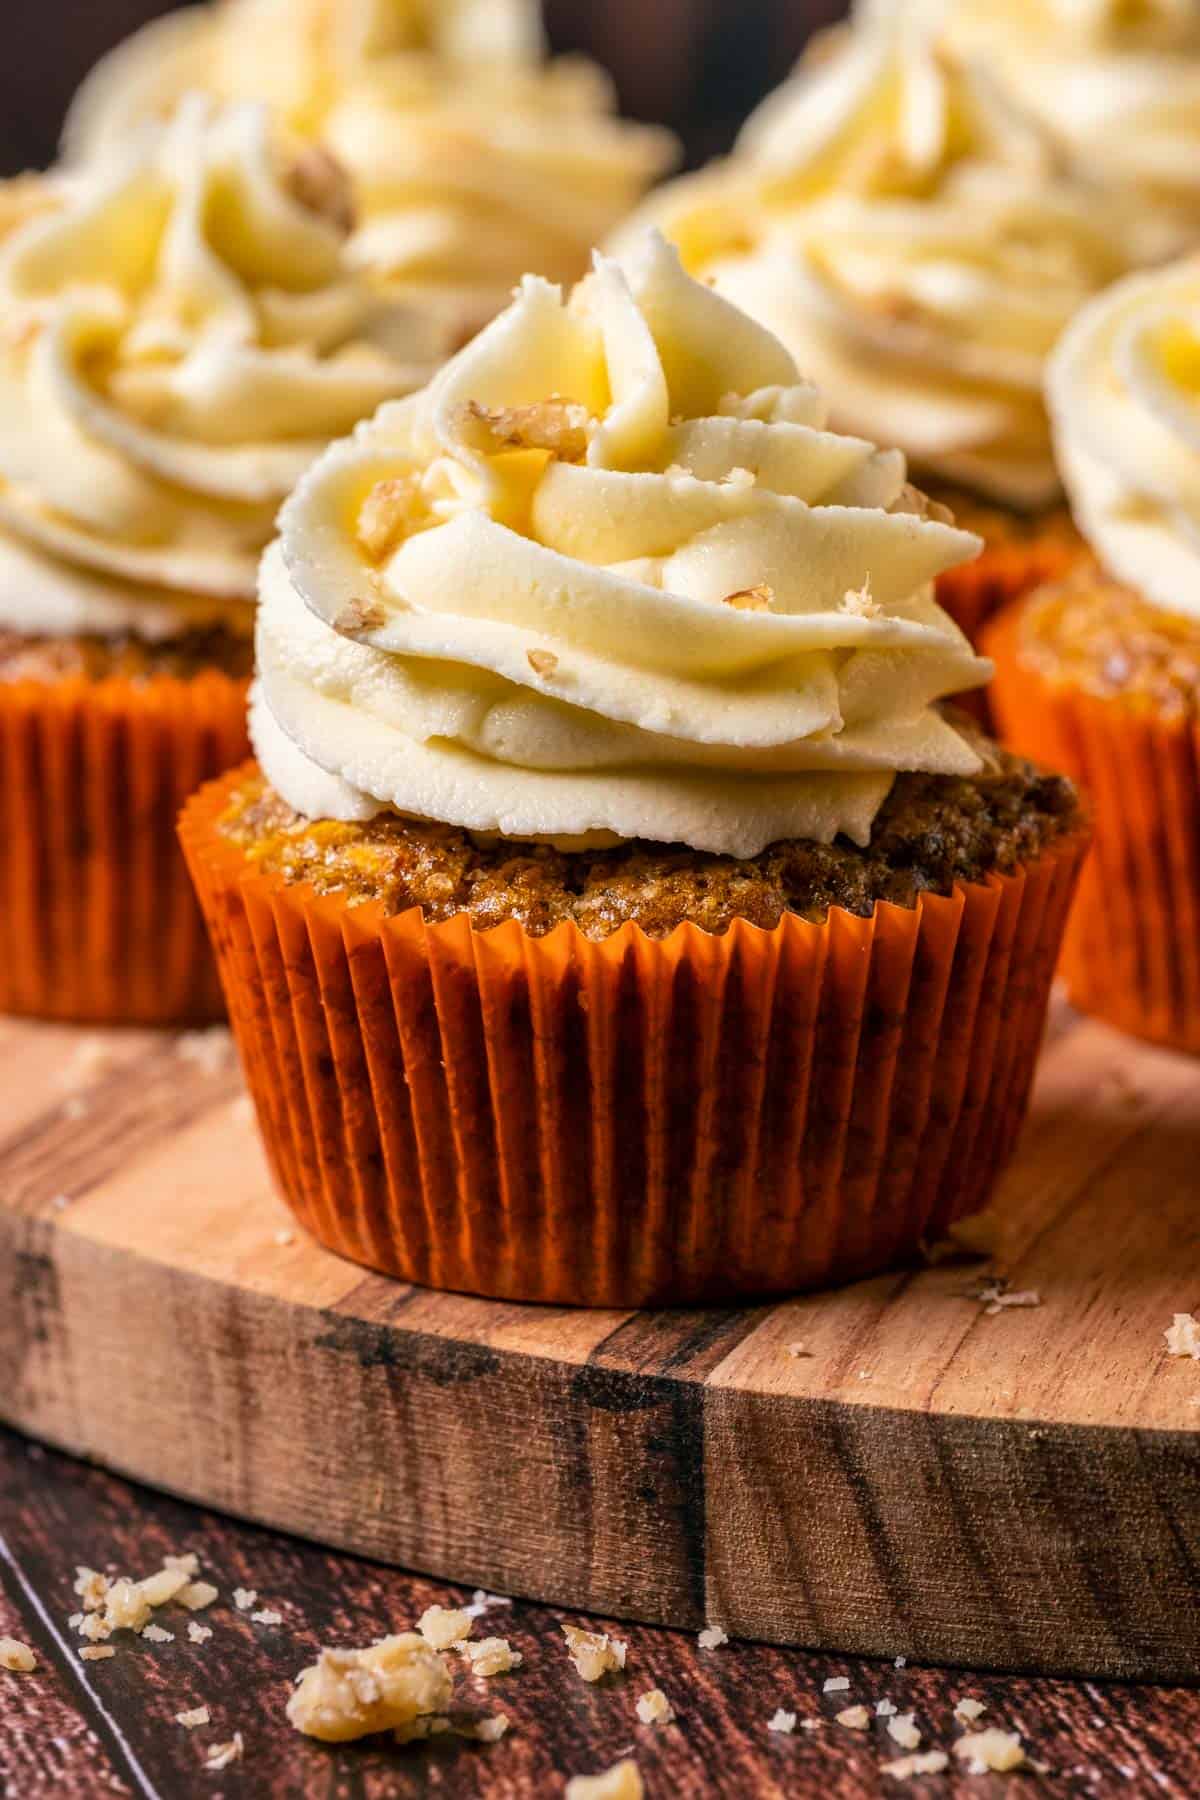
[[854, 1718], [557, 425], [992, 1749], [904, 1731], [318, 181], [487, 1731], [165, 1585], [752, 599], [91, 1587], [154, 1634], [416, 1732], [1183, 1336], [995, 1297], [199, 1634], [443, 1626], [199, 1715], [542, 662], [96, 1652], [622, 1782], [390, 511], [967, 1710], [931, 1762], [16, 1657], [491, 1656], [782, 1722], [653, 1708], [712, 1637], [221, 1755], [188, 1564], [266, 1615], [835, 1684], [126, 1607], [358, 616], [349, 1694], [197, 1595], [861, 603], [594, 1653], [245, 1598], [93, 1625]]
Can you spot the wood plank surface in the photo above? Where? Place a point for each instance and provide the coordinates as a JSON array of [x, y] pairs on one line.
[[1015, 1490], [82, 1731]]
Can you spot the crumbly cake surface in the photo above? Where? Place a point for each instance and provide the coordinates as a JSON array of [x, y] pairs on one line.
[[931, 832], [96, 658], [1094, 633]]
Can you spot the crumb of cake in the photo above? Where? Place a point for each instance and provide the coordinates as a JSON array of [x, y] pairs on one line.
[[783, 1722], [266, 1615], [154, 1634], [653, 1708], [209, 1049], [358, 616], [560, 426], [443, 1626], [96, 1652], [993, 1749], [197, 1595], [199, 1634], [284, 1237], [1183, 1336], [835, 1684], [712, 1637], [493, 1656], [319, 183], [391, 510], [886, 1709], [930, 1762], [902, 1728], [350, 1694], [16, 1657], [622, 1782], [854, 1718], [861, 603], [752, 599], [594, 1653], [542, 662], [967, 1710], [245, 1598], [221, 1755], [482, 1602], [199, 1715]]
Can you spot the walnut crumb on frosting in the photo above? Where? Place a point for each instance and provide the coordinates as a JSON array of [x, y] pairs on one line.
[[542, 662], [557, 425], [320, 184], [390, 511], [752, 599], [358, 616]]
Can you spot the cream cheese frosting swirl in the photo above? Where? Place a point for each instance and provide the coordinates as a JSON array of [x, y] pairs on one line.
[[610, 577], [473, 159], [181, 336], [912, 239], [1124, 389]]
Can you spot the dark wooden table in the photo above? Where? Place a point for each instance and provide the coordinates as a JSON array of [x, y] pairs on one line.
[[83, 1729]]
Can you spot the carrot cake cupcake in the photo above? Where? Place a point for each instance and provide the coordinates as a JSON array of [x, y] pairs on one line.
[[917, 244], [613, 913], [1102, 672], [180, 335], [472, 157]]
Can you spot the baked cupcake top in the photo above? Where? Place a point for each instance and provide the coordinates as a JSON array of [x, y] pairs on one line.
[[607, 578], [915, 242], [472, 158], [180, 335], [1118, 83], [1124, 389]]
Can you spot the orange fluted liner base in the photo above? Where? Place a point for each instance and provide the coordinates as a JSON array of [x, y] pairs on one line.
[[632, 1121], [1132, 950], [977, 592], [98, 919]]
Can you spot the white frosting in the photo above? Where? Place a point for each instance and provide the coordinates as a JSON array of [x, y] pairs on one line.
[[911, 238], [473, 160], [181, 338], [544, 645], [1124, 388]]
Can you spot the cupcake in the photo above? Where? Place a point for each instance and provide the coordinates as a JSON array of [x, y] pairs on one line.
[[1102, 671], [180, 335], [613, 915], [916, 243], [1118, 85], [473, 159]]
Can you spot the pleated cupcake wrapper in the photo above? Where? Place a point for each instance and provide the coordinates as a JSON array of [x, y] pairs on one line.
[[98, 919], [974, 594], [1132, 950], [633, 1120]]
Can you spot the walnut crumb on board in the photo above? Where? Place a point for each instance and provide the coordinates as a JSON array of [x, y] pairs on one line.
[[266, 1615], [930, 1762], [491, 1656], [245, 1599], [16, 1657], [154, 1634], [835, 1684], [967, 1710], [854, 1718], [653, 1708], [199, 1634], [783, 1722], [622, 1782], [886, 1709], [1183, 1336], [993, 1749], [482, 1602], [443, 1626], [903, 1730], [199, 1715], [221, 1755], [197, 1595], [350, 1694], [96, 1652], [594, 1653], [996, 1296]]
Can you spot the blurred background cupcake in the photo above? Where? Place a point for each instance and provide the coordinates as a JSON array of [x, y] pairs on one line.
[[1103, 672], [472, 158], [615, 914], [180, 335]]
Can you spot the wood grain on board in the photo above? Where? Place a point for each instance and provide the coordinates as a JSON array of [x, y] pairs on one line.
[[1018, 1490]]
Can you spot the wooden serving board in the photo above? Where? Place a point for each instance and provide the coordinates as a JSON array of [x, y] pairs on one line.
[[1018, 1489]]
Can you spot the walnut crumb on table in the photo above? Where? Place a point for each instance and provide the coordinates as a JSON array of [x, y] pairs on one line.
[[993, 1749], [929, 1762], [245, 1598], [199, 1715], [96, 1652], [835, 1684], [904, 1731], [491, 1656], [221, 1755], [968, 1709], [653, 1708], [782, 1722], [594, 1653], [854, 1718], [388, 1686], [712, 1637], [16, 1657], [622, 1782], [1183, 1336]]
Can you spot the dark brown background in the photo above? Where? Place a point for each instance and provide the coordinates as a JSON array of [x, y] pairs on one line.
[[699, 65]]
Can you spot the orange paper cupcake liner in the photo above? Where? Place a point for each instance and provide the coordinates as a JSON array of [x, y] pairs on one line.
[[977, 592], [632, 1121], [1131, 954], [98, 919]]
